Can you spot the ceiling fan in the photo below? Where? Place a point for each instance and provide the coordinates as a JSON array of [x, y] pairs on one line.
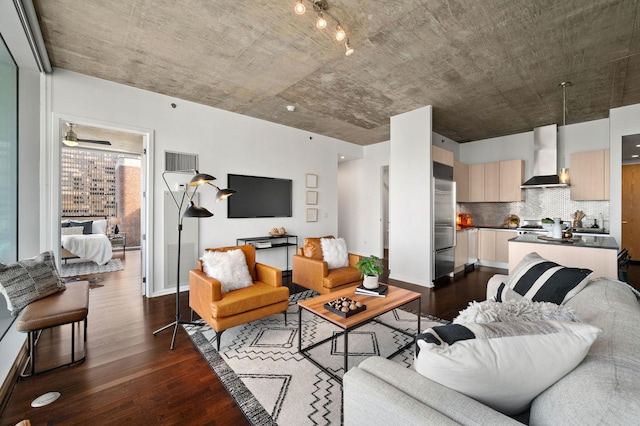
[[71, 139]]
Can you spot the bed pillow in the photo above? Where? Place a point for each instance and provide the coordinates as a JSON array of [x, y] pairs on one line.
[[99, 226], [541, 280], [228, 267], [72, 230], [28, 280], [504, 365], [334, 252], [86, 224]]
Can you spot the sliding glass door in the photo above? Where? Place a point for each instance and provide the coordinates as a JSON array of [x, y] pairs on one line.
[[8, 167]]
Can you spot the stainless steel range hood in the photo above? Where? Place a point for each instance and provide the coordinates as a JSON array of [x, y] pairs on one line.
[[545, 159]]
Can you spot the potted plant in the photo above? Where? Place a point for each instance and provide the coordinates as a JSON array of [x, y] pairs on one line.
[[370, 269]]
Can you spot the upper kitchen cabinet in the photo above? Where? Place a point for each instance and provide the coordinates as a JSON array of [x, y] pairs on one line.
[[442, 156], [589, 174], [511, 177], [476, 183], [461, 177], [492, 182], [496, 182]]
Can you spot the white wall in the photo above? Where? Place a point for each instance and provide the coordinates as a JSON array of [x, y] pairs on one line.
[[226, 143], [622, 122], [410, 240], [360, 202]]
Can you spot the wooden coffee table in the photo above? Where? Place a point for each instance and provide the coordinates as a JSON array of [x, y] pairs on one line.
[[376, 306]]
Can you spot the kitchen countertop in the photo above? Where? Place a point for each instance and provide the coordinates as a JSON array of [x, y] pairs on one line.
[[589, 241]]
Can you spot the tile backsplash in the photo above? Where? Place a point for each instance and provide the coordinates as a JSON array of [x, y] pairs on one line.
[[538, 203]]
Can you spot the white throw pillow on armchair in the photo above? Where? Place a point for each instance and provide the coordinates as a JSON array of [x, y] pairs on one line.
[[334, 252], [228, 267]]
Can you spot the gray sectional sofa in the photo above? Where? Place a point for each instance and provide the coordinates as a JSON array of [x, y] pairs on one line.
[[603, 390]]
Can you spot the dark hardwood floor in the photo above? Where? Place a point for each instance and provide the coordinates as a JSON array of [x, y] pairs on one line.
[[132, 377]]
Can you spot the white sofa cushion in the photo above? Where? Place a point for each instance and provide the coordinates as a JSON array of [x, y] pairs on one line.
[[504, 365]]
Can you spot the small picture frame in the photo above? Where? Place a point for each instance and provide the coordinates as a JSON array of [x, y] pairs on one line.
[[312, 197], [312, 215], [311, 181]]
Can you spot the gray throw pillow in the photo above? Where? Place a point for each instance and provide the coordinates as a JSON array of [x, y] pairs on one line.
[[29, 280]]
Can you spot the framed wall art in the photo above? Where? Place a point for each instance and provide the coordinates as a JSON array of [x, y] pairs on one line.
[[311, 181], [312, 215], [312, 197]]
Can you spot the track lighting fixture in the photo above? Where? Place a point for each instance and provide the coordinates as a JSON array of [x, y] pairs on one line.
[[340, 34], [348, 50], [321, 6], [321, 23]]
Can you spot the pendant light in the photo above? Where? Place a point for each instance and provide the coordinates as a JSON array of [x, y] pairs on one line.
[[564, 172]]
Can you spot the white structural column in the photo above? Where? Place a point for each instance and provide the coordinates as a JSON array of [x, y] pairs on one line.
[[410, 243]]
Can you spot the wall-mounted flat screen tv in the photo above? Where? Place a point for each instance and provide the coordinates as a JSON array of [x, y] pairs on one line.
[[259, 197]]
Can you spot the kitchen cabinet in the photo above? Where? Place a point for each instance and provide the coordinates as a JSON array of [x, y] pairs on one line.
[[496, 182], [493, 245], [511, 177], [441, 155], [461, 177], [462, 250], [487, 244], [476, 182], [492, 181], [589, 175]]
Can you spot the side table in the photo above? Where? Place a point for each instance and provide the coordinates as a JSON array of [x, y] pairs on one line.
[[119, 240]]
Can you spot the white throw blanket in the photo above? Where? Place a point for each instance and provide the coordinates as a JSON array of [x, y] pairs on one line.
[[94, 247]]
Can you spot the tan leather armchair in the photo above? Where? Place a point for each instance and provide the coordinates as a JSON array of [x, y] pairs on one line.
[[221, 311], [312, 272]]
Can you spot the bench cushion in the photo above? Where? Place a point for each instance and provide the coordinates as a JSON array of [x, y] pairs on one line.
[[64, 307]]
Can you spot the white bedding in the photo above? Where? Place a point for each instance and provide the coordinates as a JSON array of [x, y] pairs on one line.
[[96, 247]]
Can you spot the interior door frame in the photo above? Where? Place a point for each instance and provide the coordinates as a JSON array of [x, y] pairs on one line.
[[51, 192]]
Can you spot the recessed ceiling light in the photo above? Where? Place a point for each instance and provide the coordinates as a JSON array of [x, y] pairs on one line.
[[291, 108], [634, 156], [638, 146]]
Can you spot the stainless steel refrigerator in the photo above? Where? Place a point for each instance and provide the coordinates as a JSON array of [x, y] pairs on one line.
[[444, 221]]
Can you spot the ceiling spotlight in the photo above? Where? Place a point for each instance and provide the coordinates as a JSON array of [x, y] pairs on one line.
[[340, 34], [348, 49], [321, 23], [291, 108], [299, 8]]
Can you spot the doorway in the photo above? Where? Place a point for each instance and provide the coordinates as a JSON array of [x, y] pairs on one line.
[[384, 196], [630, 200], [119, 158]]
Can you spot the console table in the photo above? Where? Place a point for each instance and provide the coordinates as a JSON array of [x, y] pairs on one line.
[[276, 241]]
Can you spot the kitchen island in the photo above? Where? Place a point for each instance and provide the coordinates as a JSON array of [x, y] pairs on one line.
[[598, 253]]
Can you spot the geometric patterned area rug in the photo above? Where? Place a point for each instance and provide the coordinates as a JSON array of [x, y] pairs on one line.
[[272, 383], [89, 268]]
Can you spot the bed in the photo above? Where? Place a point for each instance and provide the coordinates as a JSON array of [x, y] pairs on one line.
[[85, 238]]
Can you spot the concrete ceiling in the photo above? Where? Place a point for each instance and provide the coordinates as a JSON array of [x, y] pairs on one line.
[[488, 67]]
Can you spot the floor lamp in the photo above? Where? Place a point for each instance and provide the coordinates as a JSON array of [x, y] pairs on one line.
[[192, 211]]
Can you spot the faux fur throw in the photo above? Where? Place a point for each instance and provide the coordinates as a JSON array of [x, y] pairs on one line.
[[516, 310]]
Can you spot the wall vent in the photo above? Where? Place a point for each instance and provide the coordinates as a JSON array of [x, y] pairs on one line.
[[177, 161]]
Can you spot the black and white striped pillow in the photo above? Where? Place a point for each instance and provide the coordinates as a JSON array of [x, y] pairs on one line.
[[541, 280]]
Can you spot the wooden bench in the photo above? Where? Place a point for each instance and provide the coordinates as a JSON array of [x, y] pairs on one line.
[[70, 306]]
